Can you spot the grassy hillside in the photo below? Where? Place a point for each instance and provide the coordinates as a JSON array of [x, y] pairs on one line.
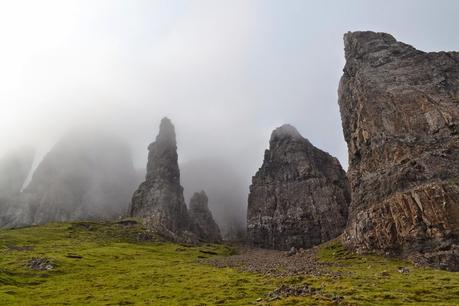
[[119, 264]]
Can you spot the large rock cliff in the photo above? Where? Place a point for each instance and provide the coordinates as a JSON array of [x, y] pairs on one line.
[[400, 114], [299, 197], [159, 199], [202, 221], [86, 175], [14, 169]]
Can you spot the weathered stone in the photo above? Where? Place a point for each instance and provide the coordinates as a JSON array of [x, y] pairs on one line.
[[159, 200], [299, 197], [400, 114], [201, 217]]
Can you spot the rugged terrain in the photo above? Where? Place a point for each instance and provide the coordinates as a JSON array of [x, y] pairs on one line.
[[121, 263], [400, 114], [299, 197]]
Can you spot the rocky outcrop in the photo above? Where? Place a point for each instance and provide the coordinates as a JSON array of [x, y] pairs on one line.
[[400, 115], [86, 175], [159, 199], [299, 197], [203, 223], [226, 189]]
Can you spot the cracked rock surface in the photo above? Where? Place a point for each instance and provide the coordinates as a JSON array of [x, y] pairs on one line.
[[299, 197], [400, 114]]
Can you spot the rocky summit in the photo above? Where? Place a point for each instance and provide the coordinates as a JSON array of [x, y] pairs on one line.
[[159, 199], [203, 223], [400, 114], [299, 197]]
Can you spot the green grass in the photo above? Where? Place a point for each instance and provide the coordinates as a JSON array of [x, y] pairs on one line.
[[119, 266], [116, 269], [370, 280]]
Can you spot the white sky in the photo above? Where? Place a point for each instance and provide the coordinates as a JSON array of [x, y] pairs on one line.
[[226, 72]]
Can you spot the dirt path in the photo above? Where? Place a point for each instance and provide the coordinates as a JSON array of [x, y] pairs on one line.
[[272, 262]]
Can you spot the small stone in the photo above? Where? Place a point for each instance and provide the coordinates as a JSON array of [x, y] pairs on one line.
[[403, 270], [40, 264], [292, 251]]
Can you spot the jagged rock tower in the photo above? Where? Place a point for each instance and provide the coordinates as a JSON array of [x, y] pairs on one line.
[[201, 217], [400, 115], [159, 200], [299, 197]]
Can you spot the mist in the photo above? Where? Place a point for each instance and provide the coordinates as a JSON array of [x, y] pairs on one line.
[[226, 72]]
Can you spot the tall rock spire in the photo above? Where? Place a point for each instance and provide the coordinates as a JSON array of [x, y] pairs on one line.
[[159, 199]]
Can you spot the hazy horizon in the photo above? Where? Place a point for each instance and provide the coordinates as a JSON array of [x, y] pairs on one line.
[[226, 72]]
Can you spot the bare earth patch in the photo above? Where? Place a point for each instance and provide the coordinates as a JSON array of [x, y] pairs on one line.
[[273, 262]]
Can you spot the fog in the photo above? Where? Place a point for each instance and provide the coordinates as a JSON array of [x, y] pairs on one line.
[[226, 72]]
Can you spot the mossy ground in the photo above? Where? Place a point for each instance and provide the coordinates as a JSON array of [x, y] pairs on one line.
[[118, 268]]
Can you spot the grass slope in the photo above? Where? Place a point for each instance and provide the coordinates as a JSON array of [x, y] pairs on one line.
[[114, 264]]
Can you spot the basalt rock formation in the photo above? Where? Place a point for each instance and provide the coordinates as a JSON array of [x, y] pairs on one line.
[[400, 114], [299, 197], [202, 221], [159, 199], [86, 175]]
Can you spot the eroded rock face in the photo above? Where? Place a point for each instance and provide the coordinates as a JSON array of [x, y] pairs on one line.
[[159, 199], [86, 175], [201, 217], [299, 197], [400, 114]]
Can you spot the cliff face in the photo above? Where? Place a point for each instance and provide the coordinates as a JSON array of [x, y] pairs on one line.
[[84, 176], [14, 168], [159, 199], [201, 217], [400, 114], [299, 197]]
